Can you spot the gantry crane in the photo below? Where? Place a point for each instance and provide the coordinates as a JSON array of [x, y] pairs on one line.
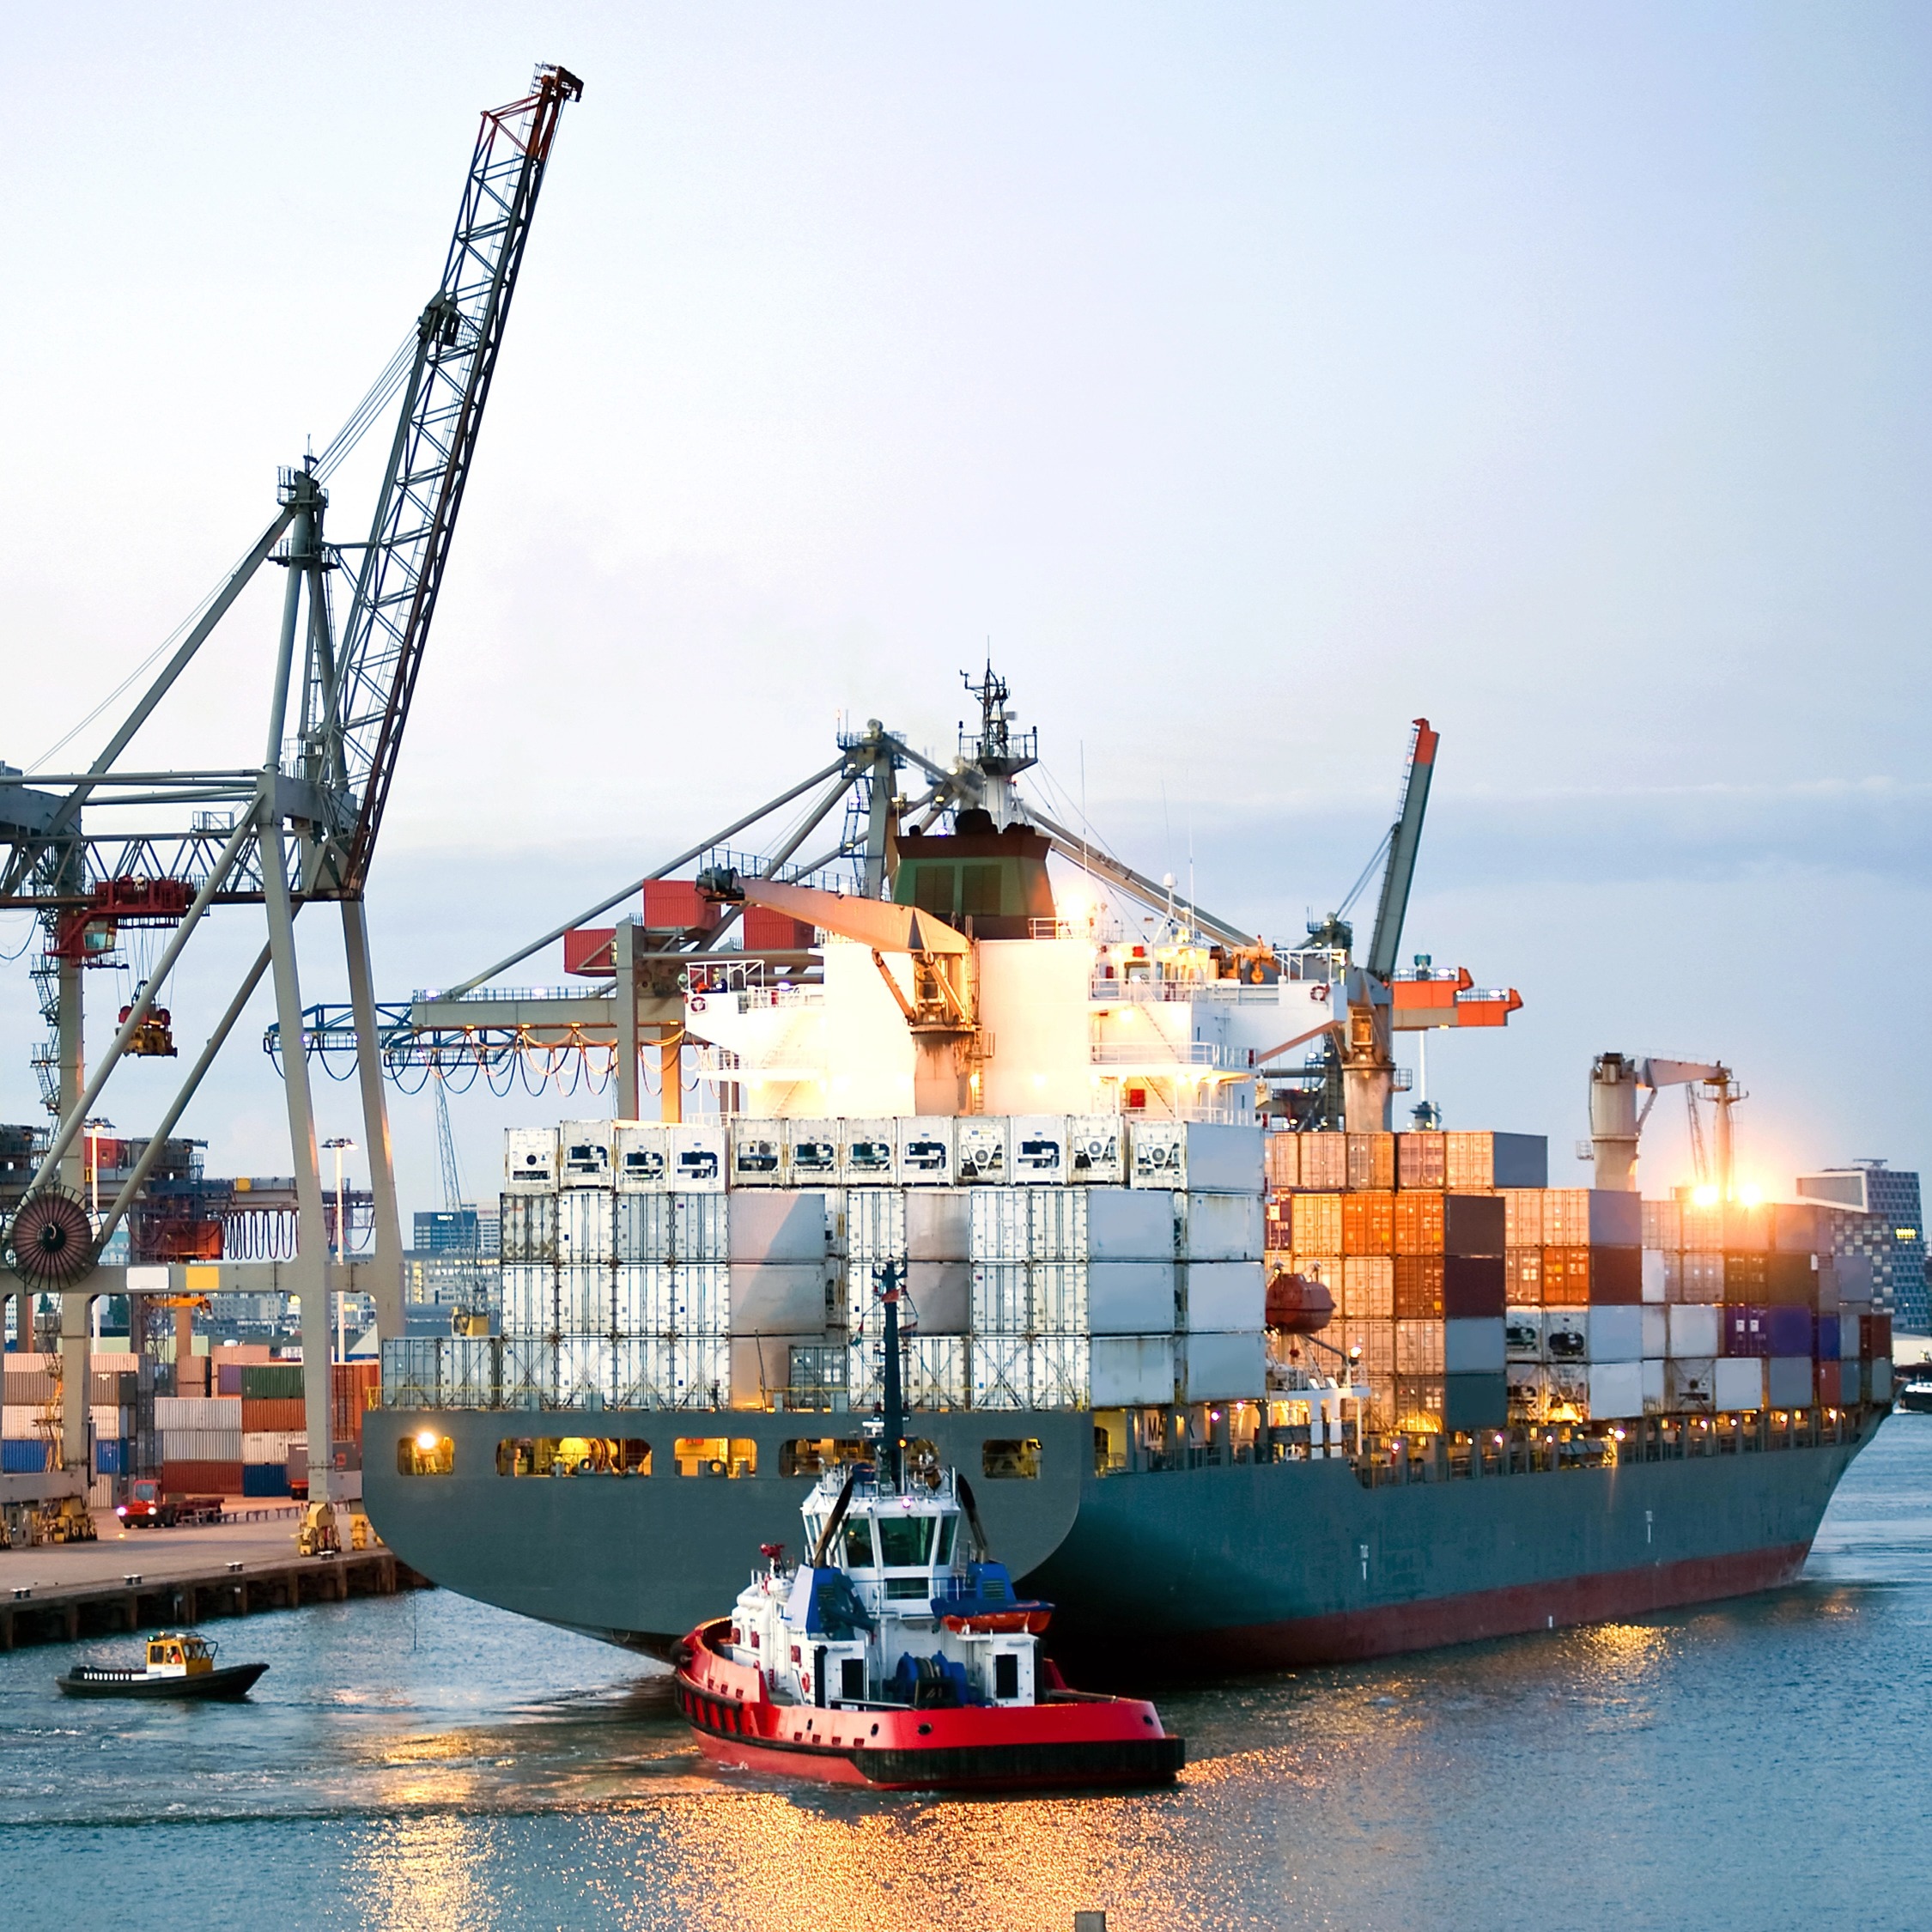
[[301, 825]]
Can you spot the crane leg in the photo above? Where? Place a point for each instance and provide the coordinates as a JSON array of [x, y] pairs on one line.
[[388, 1285], [624, 948], [311, 1270]]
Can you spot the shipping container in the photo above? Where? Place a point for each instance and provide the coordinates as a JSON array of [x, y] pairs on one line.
[[530, 1160], [1566, 1277], [982, 1153], [1281, 1161], [1133, 1224], [643, 1158], [1566, 1335], [811, 1152], [1216, 1227], [1522, 1334], [697, 1159], [527, 1227], [1058, 1219], [1001, 1303], [1317, 1223], [1421, 1160], [868, 1153], [699, 1227], [1616, 1334], [1127, 1299], [757, 1154], [1689, 1385], [584, 1300], [1371, 1162], [1417, 1287], [1473, 1347], [925, 1152], [1368, 1222], [938, 1225], [1663, 1225], [1616, 1391], [269, 1445], [1747, 1330], [1522, 1218], [1472, 1403], [201, 1478], [1368, 1284], [1038, 1152], [20, 1457], [1791, 1280], [1130, 1370], [586, 1228], [1475, 1286], [586, 1154], [1223, 1367], [643, 1225], [205, 1411], [1747, 1230], [261, 1380], [1656, 1276], [254, 1414], [1523, 1277], [1695, 1330], [1225, 1295], [782, 1298], [1737, 1383], [1788, 1383], [1324, 1162], [1202, 1156], [784, 1225], [1616, 1276], [1418, 1348], [1057, 1299], [1473, 1162], [528, 1299]]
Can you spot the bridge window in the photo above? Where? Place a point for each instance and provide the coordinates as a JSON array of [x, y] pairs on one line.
[[906, 1542], [715, 1455], [572, 1456], [980, 888], [933, 889], [425, 1453], [859, 1543], [807, 1455], [1019, 1458]]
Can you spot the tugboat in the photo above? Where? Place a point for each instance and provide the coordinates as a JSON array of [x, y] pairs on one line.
[[899, 1655], [178, 1666]]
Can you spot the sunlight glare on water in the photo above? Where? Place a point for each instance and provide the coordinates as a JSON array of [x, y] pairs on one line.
[[432, 1763]]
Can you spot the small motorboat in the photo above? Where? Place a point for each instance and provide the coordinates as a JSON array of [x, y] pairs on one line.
[[899, 1655], [178, 1666], [1916, 1397]]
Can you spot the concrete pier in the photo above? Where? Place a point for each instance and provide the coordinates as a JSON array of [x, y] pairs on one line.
[[138, 1579]]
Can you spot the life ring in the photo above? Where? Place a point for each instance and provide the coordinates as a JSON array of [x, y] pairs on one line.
[[698, 1002], [1319, 993]]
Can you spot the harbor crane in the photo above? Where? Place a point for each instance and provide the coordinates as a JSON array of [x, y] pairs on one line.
[[1616, 1122], [90, 849]]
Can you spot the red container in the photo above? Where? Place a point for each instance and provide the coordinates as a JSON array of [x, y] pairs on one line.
[[676, 905], [1830, 1382], [278, 1413], [1616, 1276], [1475, 1287], [1419, 1288], [201, 1478], [766, 930], [1874, 1336], [588, 951]]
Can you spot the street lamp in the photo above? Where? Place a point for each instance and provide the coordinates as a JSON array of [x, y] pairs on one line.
[[93, 1129], [340, 1146]]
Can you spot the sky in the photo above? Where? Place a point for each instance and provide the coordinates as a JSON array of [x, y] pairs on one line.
[[1249, 381]]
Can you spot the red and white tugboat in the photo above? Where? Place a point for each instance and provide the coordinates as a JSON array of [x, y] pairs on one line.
[[898, 1656]]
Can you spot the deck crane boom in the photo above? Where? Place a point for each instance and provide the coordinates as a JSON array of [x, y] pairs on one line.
[[1368, 1065], [1616, 1122]]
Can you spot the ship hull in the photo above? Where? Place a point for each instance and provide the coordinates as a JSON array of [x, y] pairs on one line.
[[1201, 1571]]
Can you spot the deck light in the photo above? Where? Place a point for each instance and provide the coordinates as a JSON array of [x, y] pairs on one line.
[[426, 1441]]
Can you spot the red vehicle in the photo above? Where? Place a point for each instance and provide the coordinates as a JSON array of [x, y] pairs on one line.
[[146, 1508]]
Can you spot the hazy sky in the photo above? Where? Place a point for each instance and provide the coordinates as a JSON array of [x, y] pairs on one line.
[[1256, 378]]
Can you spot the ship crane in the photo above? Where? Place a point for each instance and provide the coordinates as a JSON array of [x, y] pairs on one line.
[[1616, 1122], [298, 823], [1354, 1060]]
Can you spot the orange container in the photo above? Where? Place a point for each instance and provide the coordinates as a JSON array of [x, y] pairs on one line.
[[1368, 1222]]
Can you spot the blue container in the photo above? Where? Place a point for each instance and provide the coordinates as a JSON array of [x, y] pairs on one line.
[[264, 1479], [1747, 1329], [110, 1456], [1789, 1329], [1828, 1337], [22, 1458]]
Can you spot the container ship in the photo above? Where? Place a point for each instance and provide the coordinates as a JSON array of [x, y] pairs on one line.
[[1241, 1377]]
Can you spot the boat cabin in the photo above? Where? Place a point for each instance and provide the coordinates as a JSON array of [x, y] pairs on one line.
[[898, 1605], [173, 1654]]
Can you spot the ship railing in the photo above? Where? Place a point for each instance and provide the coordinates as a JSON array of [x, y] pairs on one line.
[[1144, 991]]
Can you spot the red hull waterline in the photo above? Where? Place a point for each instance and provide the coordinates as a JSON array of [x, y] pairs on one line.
[[1072, 1741], [1391, 1629]]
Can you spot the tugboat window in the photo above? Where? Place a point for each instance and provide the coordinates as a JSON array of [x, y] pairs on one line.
[[859, 1542], [906, 1542], [424, 1452], [1018, 1458], [715, 1455], [572, 1456]]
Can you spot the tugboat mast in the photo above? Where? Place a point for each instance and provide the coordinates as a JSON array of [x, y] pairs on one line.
[[892, 1446]]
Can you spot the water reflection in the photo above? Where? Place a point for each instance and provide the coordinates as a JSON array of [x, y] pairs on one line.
[[1757, 1762]]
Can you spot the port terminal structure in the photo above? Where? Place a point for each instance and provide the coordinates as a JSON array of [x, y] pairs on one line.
[[90, 851]]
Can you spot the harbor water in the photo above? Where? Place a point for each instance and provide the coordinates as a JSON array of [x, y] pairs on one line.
[[424, 1762]]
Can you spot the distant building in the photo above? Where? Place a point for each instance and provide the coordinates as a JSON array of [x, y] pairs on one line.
[[1882, 1221], [458, 1230]]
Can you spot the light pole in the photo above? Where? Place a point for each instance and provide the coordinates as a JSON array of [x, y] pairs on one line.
[[340, 1146], [93, 1129]]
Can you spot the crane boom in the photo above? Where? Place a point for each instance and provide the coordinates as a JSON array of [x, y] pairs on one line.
[[1405, 838], [458, 335]]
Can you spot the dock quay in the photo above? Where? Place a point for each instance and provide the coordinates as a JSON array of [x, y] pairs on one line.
[[134, 1580]]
